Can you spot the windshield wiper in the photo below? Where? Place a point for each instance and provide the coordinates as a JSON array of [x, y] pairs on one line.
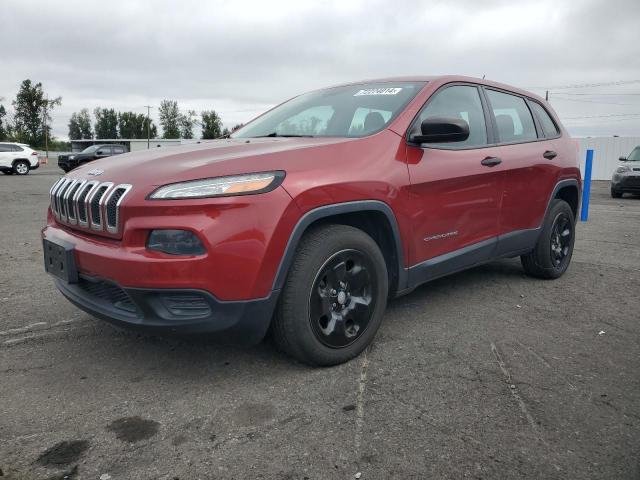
[[274, 134]]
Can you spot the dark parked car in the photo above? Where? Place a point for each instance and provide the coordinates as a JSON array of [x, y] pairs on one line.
[[94, 152]]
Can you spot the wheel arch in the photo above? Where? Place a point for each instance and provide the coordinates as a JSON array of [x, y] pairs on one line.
[[373, 217], [569, 191]]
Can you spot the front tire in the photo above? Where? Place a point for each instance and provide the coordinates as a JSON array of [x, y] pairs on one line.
[[21, 167], [615, 193], [334, 297], [552, 254]]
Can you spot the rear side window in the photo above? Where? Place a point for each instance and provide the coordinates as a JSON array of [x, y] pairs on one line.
[[549, 127], [513, 117], [117, 150], [460, 101], [6, 148]]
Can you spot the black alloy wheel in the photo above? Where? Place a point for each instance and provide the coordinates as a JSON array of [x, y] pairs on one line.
[[561, 239], [342, 299]]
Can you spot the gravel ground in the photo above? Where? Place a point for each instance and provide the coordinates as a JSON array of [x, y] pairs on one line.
[[484, 374]]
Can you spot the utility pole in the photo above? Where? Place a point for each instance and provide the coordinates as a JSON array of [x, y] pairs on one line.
[[46, 133], [149, 107]]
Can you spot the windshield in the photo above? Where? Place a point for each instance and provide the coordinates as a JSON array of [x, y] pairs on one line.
[[349, 111], [634, 156], [90, 149]]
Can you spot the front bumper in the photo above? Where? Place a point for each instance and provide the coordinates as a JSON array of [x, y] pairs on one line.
[[186, 311], [626, 183]]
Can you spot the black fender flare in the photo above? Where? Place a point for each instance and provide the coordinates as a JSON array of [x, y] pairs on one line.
[[570, 182], [337, 209]]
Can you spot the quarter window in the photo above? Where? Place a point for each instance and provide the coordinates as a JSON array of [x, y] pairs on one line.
[[512, 116], [460, 101], [17, 148], [549, 127]]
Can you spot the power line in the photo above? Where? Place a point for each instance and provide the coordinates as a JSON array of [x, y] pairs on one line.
[[587, 85], [595, 94], [590, 101], [604, 116]]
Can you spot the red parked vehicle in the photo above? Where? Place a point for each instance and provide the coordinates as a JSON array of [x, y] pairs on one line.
[[315, 213]]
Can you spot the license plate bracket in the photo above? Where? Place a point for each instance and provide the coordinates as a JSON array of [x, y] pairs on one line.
[[59, 260]]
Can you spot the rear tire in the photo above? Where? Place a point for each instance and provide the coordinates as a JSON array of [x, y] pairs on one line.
[[334, 297], [552, 254], [21, 167], [615, 193]]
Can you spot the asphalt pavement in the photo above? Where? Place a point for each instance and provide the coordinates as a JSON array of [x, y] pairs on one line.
[[487, 374]]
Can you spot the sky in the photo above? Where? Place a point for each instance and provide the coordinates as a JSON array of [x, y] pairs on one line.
[[242, 57]]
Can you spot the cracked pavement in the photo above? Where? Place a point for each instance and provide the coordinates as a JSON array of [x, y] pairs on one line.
[[484, 374]]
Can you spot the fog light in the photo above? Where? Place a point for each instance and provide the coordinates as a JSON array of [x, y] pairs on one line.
[[175, 242]]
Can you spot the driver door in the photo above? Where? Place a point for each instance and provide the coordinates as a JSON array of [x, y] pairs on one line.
[[456, 192]]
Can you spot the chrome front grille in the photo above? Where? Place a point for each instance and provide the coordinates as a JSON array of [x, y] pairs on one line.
[[88, 204]]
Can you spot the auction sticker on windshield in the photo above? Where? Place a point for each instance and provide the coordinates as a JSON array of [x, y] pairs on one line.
[[378, 91]]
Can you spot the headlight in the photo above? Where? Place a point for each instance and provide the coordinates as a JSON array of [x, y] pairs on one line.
[[221, 186], [623, 170], [71, 157]]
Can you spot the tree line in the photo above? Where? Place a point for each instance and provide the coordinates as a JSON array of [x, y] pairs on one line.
[[174, 123], [30, 121]]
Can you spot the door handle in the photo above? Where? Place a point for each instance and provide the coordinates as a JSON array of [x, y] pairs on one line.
[[491, 161], [549, 154]]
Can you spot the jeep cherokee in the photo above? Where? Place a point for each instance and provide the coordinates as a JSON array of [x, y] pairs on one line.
[[311, 216]]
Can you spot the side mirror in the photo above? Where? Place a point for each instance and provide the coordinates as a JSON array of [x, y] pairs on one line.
[[623, 159], [442, 130]]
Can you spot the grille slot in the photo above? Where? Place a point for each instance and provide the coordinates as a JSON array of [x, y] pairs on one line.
[[112, 206], [95, 206], [69, 200], [82, 202], [62, 211]]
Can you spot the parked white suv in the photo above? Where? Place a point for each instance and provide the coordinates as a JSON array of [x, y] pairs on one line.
[[17, 158]]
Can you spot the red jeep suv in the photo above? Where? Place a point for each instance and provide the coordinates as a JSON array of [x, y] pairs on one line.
[[311, 216]]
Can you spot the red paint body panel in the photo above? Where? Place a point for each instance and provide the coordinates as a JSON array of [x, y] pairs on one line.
[[430, 191]]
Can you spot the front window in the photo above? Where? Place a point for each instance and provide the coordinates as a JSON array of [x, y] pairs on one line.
[[634, 156], [348, 111]]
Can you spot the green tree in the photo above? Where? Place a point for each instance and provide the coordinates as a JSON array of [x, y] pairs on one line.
[[211, 124], [32, 118], [132, 125], [187, 122], [4, 131], [169, 119], [106, 125], [80, 125]]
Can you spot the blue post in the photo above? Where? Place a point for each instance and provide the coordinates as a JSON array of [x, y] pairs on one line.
[[586, 187]]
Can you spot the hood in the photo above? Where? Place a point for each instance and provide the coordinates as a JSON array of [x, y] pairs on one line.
[[162, 165]]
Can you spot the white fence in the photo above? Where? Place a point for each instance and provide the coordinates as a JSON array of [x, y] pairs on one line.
[[606, 151]]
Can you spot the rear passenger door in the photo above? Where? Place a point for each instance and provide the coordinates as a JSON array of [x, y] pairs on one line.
[[530, 176]]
